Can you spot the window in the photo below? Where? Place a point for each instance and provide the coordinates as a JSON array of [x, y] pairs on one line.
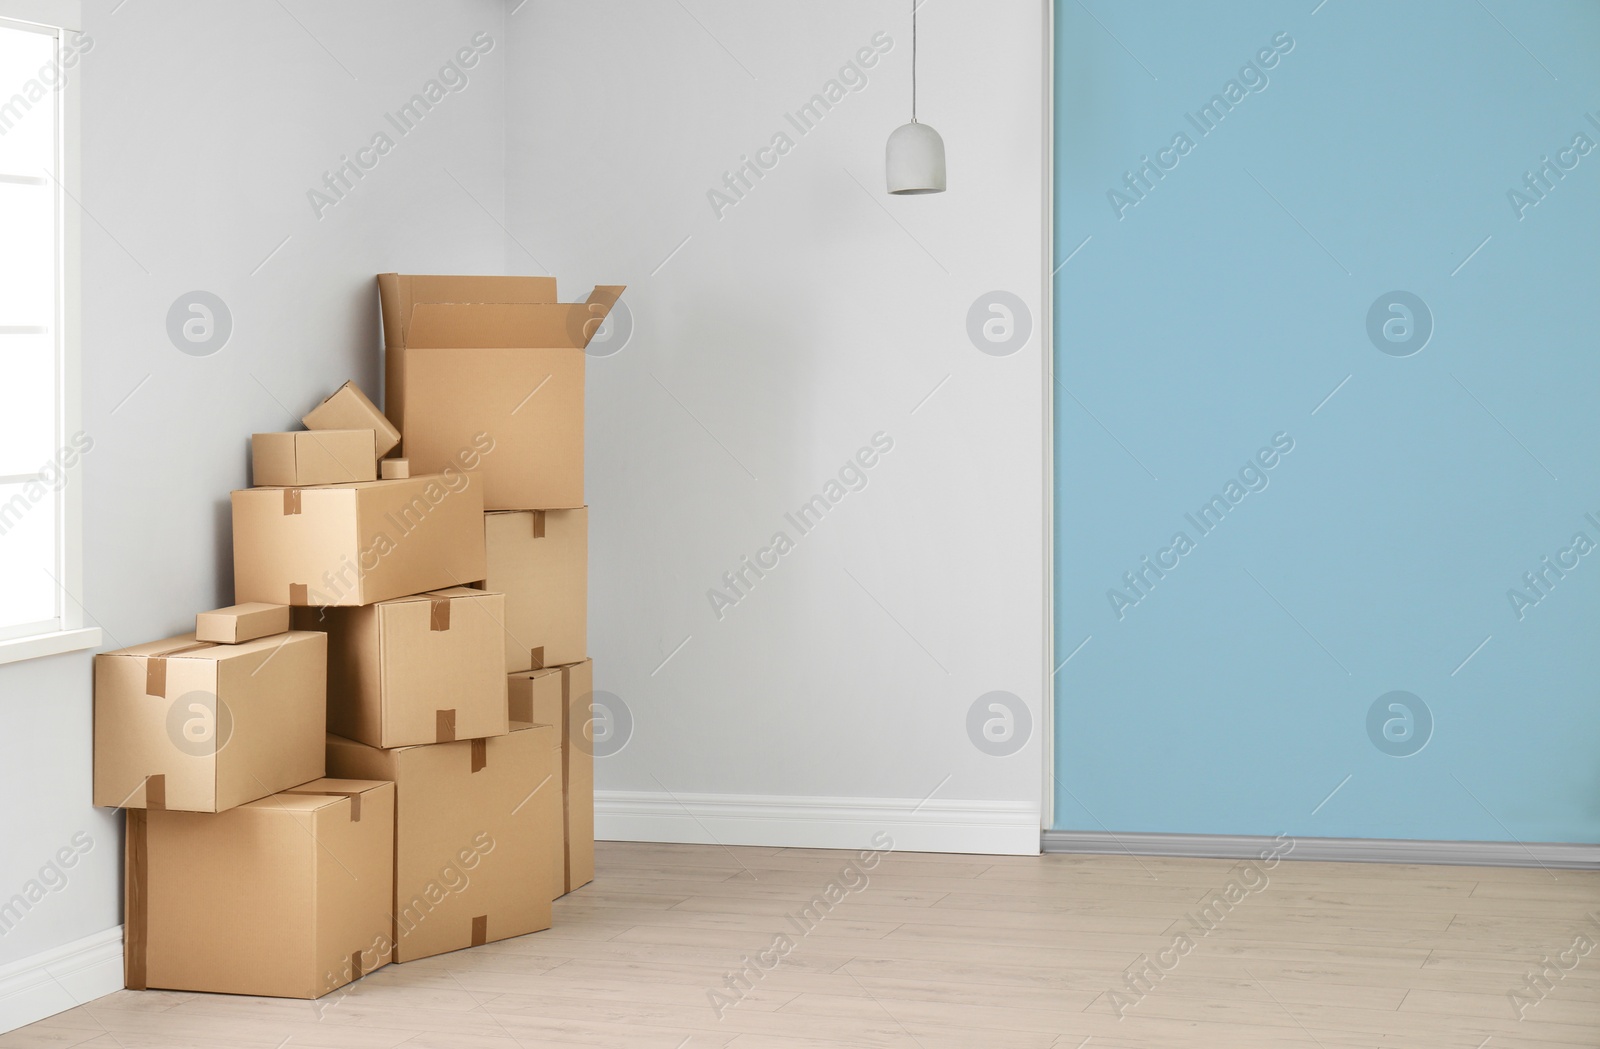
[[41, 449]]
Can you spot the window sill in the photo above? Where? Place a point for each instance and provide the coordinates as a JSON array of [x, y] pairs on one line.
[[49, 644]]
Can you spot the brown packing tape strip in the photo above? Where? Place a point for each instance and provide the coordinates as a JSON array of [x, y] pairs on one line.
[[538, 523], [355, 966], [353, 795], [187, 646], [537, 656], [136, 924], [299, 594], [480, 754], [444, 726], [155, 666], [155, 791], [439, 614], [480, 930], [566, 702], [291, 501]]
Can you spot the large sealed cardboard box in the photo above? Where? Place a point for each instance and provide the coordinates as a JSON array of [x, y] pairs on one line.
[[471, 834], [492, 364], [313, 457], [422, 669], [191, 725], [354, 544], [287, 896], [540, 560], [567, 693]]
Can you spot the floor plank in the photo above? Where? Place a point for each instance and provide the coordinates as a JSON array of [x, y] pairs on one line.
[[944, 952]]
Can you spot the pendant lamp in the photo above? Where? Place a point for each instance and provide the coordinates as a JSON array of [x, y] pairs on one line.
[[914, 159]]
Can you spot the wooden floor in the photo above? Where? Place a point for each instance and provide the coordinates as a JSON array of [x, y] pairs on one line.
[[942, 951]]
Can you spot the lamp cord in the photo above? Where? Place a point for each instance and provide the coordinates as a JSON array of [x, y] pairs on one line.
[[913, 61]]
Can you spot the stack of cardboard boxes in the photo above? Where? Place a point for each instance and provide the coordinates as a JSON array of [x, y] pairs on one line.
[[413, 628]]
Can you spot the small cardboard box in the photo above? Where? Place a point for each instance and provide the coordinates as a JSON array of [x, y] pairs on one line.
[[286, 897], [422, 669], [471, 835], [347, 408], [534, 694], [540, 560], [239, 623], [496, 364], [186, 724], [307, 457], [394, 469], [353, 544]]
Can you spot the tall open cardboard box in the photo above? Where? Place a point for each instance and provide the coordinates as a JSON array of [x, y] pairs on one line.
[[496, 356]]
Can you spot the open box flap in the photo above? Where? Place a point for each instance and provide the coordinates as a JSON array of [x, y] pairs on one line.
[[543, 325]]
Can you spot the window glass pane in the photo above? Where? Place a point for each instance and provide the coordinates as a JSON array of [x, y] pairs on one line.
[[29, 339], [27, 553], [27, 402], [27, 101], [27, 255]]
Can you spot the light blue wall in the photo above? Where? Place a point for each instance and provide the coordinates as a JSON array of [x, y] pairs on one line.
[[1221, 310]]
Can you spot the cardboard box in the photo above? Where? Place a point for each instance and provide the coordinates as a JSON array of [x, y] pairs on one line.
[[422, 669], [534, 694], [394, 469], [240, 623], [287, 896], [540, 560], [493, 364], [353, 544], [313, 457], [347, 408], [186, 724], [471, 835]]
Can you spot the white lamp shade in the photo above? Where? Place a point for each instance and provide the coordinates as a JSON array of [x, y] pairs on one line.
[[914, 159]]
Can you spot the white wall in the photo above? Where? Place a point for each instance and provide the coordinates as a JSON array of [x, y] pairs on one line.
[[778, 339], [808, 318], [204, 125]]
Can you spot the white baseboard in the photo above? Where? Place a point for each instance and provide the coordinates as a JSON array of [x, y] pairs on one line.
[[988, 827], [54, 981], [1554, 855]]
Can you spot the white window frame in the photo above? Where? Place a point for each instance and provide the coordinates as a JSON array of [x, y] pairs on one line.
[[63, 16]]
